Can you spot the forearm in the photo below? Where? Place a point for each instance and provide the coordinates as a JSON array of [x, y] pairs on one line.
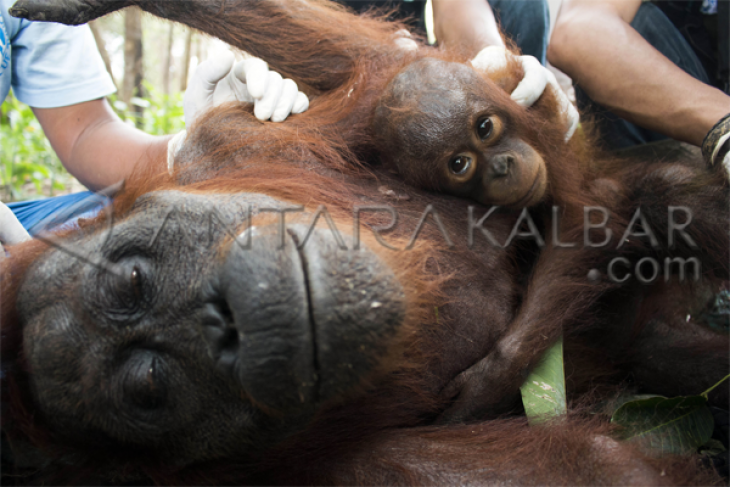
[[96, 146], [465, 24], [595, 45], [110, 152]]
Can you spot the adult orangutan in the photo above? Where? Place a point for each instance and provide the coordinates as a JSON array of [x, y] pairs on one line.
[[161, 348]]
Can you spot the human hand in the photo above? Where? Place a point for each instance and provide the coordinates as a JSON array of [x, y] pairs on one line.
[[405, 41], [11, 231], [218, 81], [537, 77]]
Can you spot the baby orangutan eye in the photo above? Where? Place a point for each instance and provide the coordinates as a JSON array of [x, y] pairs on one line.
[[485, 128], [459, 165]]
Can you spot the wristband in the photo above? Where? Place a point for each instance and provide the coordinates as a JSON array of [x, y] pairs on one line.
[[715, 144]]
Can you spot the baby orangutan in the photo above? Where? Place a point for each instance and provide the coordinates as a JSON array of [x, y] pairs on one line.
[[459, 135]]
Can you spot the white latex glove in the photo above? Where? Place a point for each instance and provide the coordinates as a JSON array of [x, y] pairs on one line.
[[404, 40], [218, 81], [11, 231], [536, 78]]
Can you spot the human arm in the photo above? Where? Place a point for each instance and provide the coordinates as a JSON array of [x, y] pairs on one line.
[[594, 44], [58, 72], [95, 145], [465, 24]]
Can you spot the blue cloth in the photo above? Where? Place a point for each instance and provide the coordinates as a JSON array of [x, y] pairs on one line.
[[658, 30], [49, 213]]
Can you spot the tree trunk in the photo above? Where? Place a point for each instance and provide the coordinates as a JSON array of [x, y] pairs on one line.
[[133, 60], [101, 46], [186, 60], [167, 67]]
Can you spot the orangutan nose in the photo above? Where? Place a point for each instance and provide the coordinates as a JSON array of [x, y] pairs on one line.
[[501, 165], [220, 333], [285, 324], [257, 322]]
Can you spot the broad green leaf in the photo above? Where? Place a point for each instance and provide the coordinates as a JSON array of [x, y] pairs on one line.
[[712, 448], [625, 398], [677, 425], [543, 393]]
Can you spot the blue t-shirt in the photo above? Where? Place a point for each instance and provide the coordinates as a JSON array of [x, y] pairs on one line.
[[49, 65]]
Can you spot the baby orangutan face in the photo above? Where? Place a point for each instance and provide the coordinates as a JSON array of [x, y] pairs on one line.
[[444, 127]]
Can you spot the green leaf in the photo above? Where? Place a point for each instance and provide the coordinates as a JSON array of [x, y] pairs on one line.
[[140, 102], [543, 393], [712, 448], [677, 425], [119, 105]]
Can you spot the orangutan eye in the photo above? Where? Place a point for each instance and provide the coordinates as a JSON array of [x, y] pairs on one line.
[[126, 290], [485, 128], [136, 282], [143, 383], [459, 165]]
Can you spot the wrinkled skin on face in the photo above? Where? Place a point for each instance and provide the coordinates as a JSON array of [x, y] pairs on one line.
[[445, 127], [161, 332]]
